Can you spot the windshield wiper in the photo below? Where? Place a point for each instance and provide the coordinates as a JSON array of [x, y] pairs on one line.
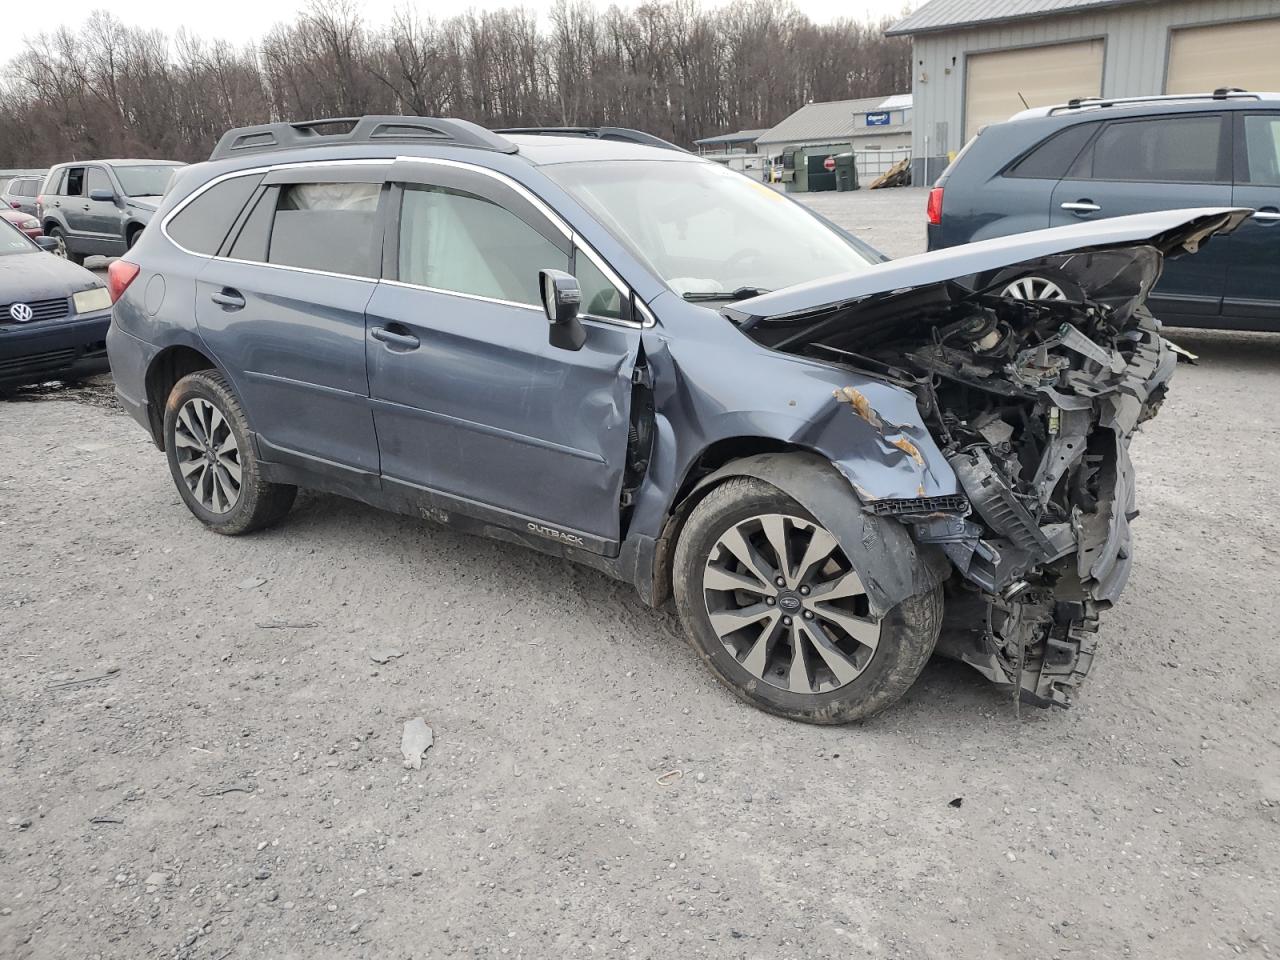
[[742, 293]]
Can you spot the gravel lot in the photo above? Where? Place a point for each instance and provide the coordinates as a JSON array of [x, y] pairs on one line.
[[200, 759]]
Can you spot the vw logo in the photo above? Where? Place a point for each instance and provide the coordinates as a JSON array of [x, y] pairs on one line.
[[20, 312]]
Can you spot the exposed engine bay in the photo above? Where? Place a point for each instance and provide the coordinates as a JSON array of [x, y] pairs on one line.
[[1032, 403]]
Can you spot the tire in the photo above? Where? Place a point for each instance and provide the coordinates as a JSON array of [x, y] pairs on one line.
[[132, 238], [823, 688], [62, 250], [1045, 283], [202, 407]]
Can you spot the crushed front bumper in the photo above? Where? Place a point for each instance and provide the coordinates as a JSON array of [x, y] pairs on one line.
[[1031, 593]]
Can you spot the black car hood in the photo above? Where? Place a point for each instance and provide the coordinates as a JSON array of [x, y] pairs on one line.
[[41, 276], [1170, 232]]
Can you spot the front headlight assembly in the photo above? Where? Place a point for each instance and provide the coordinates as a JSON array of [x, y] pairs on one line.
[[90, 301]]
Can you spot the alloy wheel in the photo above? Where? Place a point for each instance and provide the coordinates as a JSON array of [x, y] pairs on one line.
[[208, 455], [784, 600], [61, 249], [1033, 288]]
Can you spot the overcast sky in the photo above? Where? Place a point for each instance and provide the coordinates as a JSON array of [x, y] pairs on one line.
[[241, 21]]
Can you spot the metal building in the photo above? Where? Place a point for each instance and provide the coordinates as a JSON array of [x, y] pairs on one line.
[[981, 61], [877, 130]]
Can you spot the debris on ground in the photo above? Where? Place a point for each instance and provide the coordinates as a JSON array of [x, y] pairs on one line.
[[956, 802], [251, 583], [414, 742], [287, 624], [386, 655]]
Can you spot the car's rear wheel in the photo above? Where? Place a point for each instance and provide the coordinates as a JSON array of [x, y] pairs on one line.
[[1043, 284], [212, 461], [770, 601]]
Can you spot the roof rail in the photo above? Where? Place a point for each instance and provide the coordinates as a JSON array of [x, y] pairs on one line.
[[1222, 93], [267, 137], [619, 134]]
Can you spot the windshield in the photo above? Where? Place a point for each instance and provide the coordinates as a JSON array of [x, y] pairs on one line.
[[151, 180], [11, 241], [707, 231]]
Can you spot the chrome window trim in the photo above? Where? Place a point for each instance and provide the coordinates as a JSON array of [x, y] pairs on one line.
[[459, 293], [624, 290]]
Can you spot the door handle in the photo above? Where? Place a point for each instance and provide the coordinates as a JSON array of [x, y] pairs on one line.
[[86, 206], [57, 203], [1081, 206], [1267, 214], [393, 338], [226, 297]]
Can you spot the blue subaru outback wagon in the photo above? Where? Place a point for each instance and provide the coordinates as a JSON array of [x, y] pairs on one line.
[[621, 354]]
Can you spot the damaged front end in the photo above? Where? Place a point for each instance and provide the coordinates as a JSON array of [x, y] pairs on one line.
[[1033, 404]]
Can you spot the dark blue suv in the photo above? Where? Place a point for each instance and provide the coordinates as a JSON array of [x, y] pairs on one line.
[[1091, 159], [609, 350]]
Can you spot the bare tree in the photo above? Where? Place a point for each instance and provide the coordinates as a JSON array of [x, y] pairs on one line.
[[667, 66]]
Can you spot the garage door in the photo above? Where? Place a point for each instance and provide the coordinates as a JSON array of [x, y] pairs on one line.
[[1042, 75], [1226, 55]]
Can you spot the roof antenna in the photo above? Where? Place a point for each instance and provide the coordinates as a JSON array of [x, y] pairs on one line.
[[1025, 105]]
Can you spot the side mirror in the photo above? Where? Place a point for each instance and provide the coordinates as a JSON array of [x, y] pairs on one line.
[[102, 196], [561, 297], [48, 244]]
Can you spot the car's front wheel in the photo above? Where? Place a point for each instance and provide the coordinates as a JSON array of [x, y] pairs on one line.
[[206, 439], [771, 602]]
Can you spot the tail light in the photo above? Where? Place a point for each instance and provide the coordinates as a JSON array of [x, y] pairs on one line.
[[120, 274], [934, 208]]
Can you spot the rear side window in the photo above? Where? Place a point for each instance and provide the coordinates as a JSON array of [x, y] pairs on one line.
[[75, 182], [457, 242], [327, 227], [1053, 157], [1262, 148], [202, 224], [1182, 149], [56, 179]]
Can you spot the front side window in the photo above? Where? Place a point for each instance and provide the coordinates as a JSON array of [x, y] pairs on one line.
[[328, 227], [708, 231], [461, 243], [75, 182], [1182, 149], [98, 180], [600, 298], [144, 180], [1262, 148]]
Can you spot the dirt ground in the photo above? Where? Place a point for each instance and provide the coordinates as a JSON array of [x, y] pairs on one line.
[[199, 757]]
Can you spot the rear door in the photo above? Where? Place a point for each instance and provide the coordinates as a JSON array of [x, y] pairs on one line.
[[283, 309], [1253, 281], [1158, 163], [73, 204], [475, 410]]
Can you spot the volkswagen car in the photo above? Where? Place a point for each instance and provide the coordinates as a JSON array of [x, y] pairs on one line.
[[53, 314]]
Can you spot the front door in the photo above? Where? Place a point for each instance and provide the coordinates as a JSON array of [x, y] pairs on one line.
[[475, 409], [284, 308], [1253, 284], [1158, 163], [102, 217]]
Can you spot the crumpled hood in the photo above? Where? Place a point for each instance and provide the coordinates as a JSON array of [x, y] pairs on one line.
[[1171, 232], [41, 276]]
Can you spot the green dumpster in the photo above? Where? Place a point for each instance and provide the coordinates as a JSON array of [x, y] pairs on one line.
[[846, 172]]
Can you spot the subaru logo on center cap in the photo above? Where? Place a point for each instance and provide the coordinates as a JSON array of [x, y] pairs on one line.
[[20, 312]]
